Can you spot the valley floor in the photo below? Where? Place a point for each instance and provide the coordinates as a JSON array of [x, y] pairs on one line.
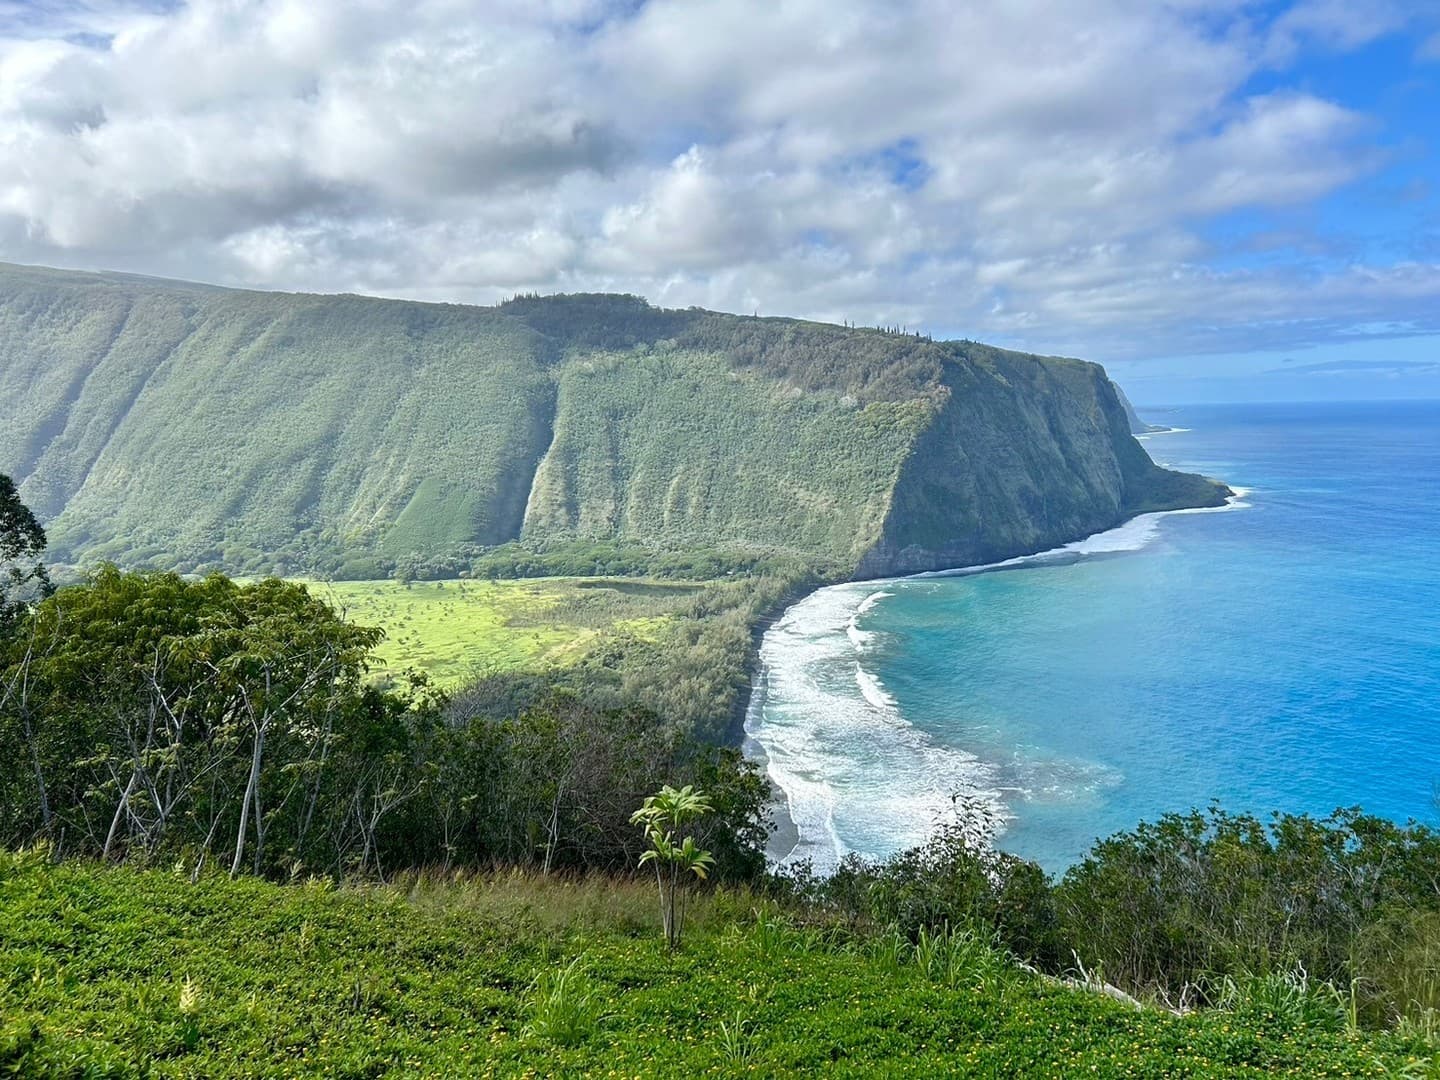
[[458, 630], [118, 972]]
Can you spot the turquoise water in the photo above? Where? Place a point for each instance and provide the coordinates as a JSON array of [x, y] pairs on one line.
[[1280, 654]]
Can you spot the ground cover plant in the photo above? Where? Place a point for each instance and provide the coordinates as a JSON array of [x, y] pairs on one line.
[[123, 972]]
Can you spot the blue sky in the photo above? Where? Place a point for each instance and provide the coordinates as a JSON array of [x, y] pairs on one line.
[[1389, 214], [1219, 199]]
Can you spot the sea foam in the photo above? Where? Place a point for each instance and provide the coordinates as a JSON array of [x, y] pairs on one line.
[[835, 744], [856, 775]]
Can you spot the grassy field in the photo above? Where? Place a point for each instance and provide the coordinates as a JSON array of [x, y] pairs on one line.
[[117, 972], [454, 631]]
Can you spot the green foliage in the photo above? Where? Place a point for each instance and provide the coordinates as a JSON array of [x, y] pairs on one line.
[[1284, 998], [198, 429], [661, 819], [23, 577], [737, 1040], [1332, 922], [151, 713], [551, 557], [1192, 898], [680, 652], [457, 631], [155, 717], [308, 979], [667, 445], [957, 879], [564, 1009], [553, 786], [960, 956]]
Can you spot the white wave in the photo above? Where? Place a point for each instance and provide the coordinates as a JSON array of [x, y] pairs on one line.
[[863, 639], [849, 762], [836, 745], [871, 600], [873, 690]]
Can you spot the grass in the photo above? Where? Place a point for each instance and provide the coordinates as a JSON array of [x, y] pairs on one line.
[[455, 630], [119, 972]]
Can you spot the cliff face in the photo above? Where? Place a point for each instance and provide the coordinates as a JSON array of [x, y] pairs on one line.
[[168, 424], [1137, 426], [1024, 455]]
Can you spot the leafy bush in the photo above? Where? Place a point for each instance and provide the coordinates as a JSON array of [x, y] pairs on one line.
[[956, 879], [1199, 896]]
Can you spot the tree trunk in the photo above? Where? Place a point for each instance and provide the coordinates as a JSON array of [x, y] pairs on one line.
[[250, 787], [39, 773], [119, 813]]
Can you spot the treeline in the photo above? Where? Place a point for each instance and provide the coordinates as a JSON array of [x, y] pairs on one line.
[[693, 669], [147, 716], [583, 558], [530, 558]]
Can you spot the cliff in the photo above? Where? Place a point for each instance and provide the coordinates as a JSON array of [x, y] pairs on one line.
[[1025, 454], [169, 424]]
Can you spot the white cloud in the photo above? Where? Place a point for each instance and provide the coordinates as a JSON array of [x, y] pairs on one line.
[[1335, 24], [1033, 169]]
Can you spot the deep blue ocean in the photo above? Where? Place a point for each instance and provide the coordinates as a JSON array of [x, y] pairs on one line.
[[1280, 654]]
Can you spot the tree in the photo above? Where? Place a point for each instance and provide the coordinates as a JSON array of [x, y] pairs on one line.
[[281, 662], [22, 580], [661, 817], [22, 574], [154, 713]]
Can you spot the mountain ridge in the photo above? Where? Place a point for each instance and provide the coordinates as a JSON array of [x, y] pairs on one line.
[[195, 427]]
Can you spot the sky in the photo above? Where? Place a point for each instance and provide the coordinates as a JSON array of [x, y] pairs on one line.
[[1218, 199]]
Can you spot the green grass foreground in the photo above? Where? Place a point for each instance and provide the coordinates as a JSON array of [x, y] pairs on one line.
[[119, 972]]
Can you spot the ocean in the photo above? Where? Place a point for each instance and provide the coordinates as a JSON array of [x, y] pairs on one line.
[[1278, 654]]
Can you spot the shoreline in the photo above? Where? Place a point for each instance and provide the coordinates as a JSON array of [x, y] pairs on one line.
[[785, 836]]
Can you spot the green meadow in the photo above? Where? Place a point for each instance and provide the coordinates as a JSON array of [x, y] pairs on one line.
[[459, 630]]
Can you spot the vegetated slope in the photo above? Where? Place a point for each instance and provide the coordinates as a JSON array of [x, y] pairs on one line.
[[187, 426], [122, 973], [670, 445]]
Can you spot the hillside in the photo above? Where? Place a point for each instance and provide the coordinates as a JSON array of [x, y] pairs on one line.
[[124, 973], [183, 426]]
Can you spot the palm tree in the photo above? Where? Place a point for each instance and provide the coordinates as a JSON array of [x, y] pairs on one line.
[[660, 818]]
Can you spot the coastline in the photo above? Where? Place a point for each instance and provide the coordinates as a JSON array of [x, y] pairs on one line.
[[787, 837]]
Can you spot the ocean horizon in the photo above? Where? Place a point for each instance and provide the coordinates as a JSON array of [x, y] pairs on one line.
[[1278, 654]]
